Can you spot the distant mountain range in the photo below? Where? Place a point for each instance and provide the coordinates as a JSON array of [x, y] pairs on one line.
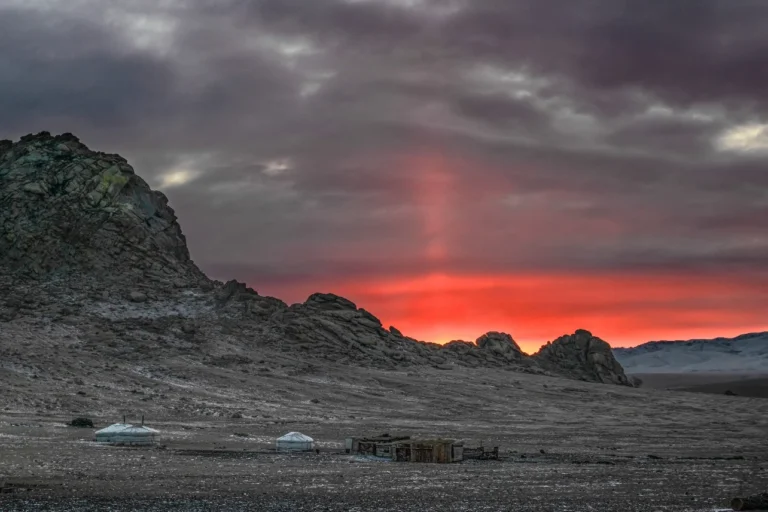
[[747, 353]]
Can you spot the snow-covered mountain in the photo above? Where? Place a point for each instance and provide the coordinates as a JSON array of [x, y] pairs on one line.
[[747, 353]]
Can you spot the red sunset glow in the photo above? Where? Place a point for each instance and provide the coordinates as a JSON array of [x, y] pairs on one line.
[[623, 310], [455, 217]]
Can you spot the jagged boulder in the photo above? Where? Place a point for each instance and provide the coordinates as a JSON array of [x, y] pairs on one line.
[[500, 345], [65, 209], [234, 290], [582, 356], [330, 324], [329, 302], [460, 347], [466, 353], [236, 298]]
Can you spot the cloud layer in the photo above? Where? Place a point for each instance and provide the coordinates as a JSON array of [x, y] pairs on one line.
[[341, 144]]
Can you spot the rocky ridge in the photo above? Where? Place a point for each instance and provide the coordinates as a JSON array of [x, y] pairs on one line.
[[65, 209], [87, 246]]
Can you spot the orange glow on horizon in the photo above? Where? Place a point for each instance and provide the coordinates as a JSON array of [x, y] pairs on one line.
[[623, 310], [440, 305]]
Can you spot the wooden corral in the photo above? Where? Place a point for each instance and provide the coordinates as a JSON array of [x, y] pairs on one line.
[[482, 453], [441, 451], [9, 487], [405, 449], [380, 446]]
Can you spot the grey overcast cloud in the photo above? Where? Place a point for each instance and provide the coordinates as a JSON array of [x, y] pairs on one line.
[[530, 166]]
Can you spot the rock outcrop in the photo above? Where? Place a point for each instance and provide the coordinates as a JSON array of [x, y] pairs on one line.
[[492, 349], [65, 209], [335, 328], [86, 242], [582, 356], [501, 344]]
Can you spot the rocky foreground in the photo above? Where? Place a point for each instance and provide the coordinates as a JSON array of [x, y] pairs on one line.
[[87, 248]]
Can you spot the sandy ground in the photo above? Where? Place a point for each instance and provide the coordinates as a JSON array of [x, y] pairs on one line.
[[566, 445]]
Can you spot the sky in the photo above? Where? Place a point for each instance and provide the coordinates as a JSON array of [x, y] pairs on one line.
[[452, 166]]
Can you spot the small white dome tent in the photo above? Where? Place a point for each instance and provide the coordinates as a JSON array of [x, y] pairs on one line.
[[295, 442], [124, 433]]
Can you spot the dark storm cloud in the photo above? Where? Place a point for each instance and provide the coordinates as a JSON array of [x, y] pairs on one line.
[[347, 22], [685, 51], [568, 135], [676, 135], [503, 112], [73, 69]]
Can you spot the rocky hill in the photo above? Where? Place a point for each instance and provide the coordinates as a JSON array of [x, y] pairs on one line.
[[92, 256], [747, 353], [66, 210]]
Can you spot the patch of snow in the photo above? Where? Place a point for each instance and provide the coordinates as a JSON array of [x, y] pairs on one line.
[[747, 353]]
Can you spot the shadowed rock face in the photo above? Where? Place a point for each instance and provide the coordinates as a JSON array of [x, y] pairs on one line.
[[583, 356], [501, 344], [85, 241], [65, 208], [329, 302]]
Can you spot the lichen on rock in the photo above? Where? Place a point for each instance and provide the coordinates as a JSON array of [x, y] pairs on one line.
[[65, 208]]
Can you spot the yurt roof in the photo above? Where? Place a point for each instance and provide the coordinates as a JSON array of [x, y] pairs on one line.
[[296, 437], [125, 428]]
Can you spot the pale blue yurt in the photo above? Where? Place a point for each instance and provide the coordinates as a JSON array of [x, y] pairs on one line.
[[295, 442], [124, 433]]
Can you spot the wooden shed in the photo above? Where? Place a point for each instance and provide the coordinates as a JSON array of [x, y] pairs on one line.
[[379, 446], [442, 451]]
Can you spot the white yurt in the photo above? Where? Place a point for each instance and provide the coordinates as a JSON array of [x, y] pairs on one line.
[[124, 433], [295, 442]]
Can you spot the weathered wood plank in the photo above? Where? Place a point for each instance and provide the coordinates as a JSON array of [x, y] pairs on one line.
[[753, 502]]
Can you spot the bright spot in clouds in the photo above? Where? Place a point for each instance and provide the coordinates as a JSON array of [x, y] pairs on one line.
[[176, 178], [288, 48], [440, 9], [152, 33], [276, 167], [746, 138]]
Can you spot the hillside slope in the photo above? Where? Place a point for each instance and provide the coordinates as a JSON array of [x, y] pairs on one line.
[[89, 251]]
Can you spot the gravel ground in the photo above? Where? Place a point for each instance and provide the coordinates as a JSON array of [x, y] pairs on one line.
[[606, 448], [330, 481]]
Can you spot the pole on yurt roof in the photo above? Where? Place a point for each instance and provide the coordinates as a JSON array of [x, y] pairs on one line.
[[123, 419], [142, 420]]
